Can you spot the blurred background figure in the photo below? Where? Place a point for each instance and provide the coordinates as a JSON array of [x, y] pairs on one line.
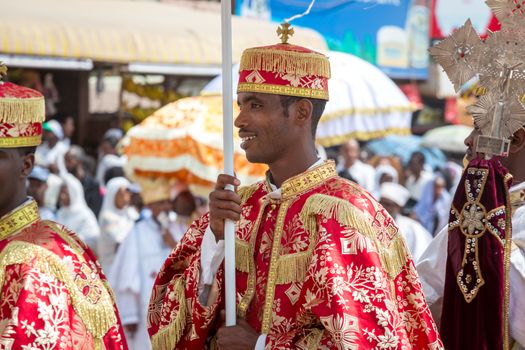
[[37, 189], [108, 155], [77, 163], [140, 257], [417, 177], [68, 127], [54, 183], [51, 152], [185, 206], [393, 198], [360, 172], [116, 220], [74, 212], [433, 209], [384, 173]]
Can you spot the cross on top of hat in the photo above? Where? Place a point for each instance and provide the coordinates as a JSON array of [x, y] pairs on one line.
[[498, 62], [284, 32]]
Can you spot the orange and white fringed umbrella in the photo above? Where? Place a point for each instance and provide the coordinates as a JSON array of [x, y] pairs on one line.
[[182, 141]]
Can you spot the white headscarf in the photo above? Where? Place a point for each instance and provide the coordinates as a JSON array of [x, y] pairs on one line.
[[77, 216], [107, 162], [380, 171], [114, 223], [112, 188]]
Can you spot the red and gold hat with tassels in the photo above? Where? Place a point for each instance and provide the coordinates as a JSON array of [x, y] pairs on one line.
[[284, 69], [22, 112]]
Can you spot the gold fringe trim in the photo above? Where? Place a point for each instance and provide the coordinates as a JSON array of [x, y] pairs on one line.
[[242, 256], [99, 344], [393, 257], [246, 192], [22, 110], [98, 318], [288, 62], [168, 337], [293, 267]]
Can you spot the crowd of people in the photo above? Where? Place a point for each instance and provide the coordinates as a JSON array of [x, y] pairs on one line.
[[327, 253], [131, 228]]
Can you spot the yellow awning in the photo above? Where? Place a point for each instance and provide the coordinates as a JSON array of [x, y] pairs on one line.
[[130, 31]]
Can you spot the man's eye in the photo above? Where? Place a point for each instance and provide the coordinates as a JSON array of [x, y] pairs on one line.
[[256, 105]]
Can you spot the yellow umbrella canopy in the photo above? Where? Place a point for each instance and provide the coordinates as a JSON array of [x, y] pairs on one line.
[[182, 141]]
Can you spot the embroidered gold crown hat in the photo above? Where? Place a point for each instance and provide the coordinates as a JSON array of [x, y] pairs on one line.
[[284, 69], [22, 111]]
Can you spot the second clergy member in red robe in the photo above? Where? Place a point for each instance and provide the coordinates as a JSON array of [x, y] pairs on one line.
[[319, 263], [53, 294]]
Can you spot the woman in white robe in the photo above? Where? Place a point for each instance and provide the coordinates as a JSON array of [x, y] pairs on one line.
[[115, 220], [74, 212]]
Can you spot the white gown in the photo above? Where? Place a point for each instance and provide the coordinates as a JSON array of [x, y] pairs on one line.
[[133, 274], [416, 236], [432, 268]]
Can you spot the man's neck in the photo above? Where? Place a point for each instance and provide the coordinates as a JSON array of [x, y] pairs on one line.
[[284, 170], [14, 203]]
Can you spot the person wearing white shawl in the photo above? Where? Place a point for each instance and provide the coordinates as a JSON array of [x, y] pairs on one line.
[[384, 173], [115, 220], [393, 198], [140, 257], [74, 212]]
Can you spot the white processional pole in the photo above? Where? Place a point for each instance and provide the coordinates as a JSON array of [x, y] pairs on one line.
[[227, 117]]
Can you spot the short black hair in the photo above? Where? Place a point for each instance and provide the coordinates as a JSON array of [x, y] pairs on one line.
[[116, 171], [317, 110], [24, 151], [420, 156]]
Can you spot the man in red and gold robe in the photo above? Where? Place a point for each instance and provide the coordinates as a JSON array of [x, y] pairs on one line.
[[319, 263], [53, 294]]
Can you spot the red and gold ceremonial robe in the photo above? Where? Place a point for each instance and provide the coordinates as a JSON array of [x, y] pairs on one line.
[[53, 294], [323, 266]]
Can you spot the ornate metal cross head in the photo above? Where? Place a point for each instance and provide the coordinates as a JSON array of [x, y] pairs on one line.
[[497, 62], [284, 32]]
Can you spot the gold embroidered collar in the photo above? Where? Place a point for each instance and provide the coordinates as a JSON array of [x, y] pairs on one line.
[[19, 218], [305, 181]]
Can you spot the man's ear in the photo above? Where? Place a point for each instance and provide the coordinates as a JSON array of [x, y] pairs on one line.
[[303, 111], [518, 141], [28, 161]]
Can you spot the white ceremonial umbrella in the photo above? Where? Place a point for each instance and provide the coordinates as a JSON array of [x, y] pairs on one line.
[[448, 138], [364, 103]]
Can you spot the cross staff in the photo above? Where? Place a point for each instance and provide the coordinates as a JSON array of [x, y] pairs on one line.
[[500, 112]]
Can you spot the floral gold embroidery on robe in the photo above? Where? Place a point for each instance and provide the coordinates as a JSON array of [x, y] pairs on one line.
[[53, 294]]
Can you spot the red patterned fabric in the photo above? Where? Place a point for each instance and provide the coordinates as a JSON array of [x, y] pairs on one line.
[[475, 302], [12, 91], [43, 306], [11, 130], [338, 277]]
